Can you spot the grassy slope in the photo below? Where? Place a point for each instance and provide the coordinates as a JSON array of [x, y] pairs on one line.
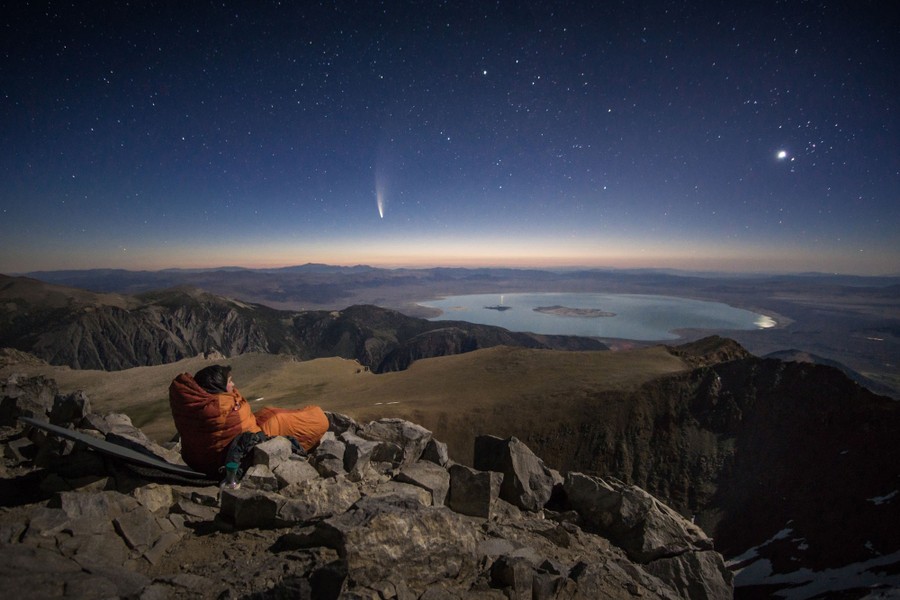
[[501, 391]]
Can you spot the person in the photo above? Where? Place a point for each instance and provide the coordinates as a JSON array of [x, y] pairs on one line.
[[210, 413]]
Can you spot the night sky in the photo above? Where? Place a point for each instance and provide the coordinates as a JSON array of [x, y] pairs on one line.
[[736, 136]]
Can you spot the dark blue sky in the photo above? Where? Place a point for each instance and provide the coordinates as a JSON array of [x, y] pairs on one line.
[[718, 135]]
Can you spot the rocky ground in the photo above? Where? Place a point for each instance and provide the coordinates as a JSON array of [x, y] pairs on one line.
[[378, 510]]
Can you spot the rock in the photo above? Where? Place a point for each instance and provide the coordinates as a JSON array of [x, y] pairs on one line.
[[396, 492], [70, 409], [473, 492], [299, 503], [294, 471], [379, 541], [527, 483], [272, 452], [632, 519], [698, 575], [357, 453], [154, 496], [138, 528], [260, 477], [428, 476], [26, 397], [322, 497], [339, 423], [436, 452], [409, 437], [328, 456]]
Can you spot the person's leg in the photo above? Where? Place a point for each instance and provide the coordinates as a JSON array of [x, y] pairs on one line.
[[307, 424]]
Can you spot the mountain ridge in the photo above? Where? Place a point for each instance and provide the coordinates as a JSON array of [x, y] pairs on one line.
[[88, 330]]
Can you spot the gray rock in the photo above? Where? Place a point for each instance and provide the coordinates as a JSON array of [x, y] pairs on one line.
[[527, 482], [316, 498], [154, 496], [138, 528], [294, 471], [409, 437], [395, 491], [260, 477], [301, 502], [436, 452], [696, 575], [70, 409], [339, 423], [516, 574], [357, 453], [473, 492], [272, 452], [380, 541], [26, 397], [328, 456], [632, 519], [428, 476]]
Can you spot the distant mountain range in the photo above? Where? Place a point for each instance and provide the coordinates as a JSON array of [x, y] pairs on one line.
[[853, 321], [87, 330]]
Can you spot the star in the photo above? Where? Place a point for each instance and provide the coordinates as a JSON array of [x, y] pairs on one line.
[[782, 154]]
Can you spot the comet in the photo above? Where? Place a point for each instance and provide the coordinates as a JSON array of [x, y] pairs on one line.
[[379, 194]]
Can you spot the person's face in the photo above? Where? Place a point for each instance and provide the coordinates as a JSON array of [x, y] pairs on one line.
[[230, 385]]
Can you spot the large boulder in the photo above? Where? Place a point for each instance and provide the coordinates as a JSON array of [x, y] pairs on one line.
[[473, 492], [409, 437], [417, 546], [428, 476], [26, 397], [631, 518], [527, 482]]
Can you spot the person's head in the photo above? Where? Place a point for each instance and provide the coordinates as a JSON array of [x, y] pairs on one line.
[[215, 379]]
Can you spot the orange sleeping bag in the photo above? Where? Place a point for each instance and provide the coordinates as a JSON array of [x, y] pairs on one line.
[[207, 423], [307, 424]]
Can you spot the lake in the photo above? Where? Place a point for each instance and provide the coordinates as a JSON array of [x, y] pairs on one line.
[[636, 316]]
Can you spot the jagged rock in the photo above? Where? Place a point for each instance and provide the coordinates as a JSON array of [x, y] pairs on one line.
[[301, 502], [272, 452], [421, 546], [120, 430], [154, 496], [294, 471], [70, 409], [527, 483], [700, 575], [260, 477], [473, 492], [409, 437], [139, 528], [339, 423], [357, 453], [396, 492], [26, 397], [429, 476], [328, 457], [246, 508], [436, 452], [632, 519]]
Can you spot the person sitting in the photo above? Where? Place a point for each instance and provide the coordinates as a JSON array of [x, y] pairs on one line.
[[210, 412]]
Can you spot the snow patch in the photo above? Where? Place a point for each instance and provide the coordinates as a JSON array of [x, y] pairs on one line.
[[879, 500]]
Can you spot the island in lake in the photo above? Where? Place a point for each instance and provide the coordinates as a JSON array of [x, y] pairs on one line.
[[565, 311], [498, 307]]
